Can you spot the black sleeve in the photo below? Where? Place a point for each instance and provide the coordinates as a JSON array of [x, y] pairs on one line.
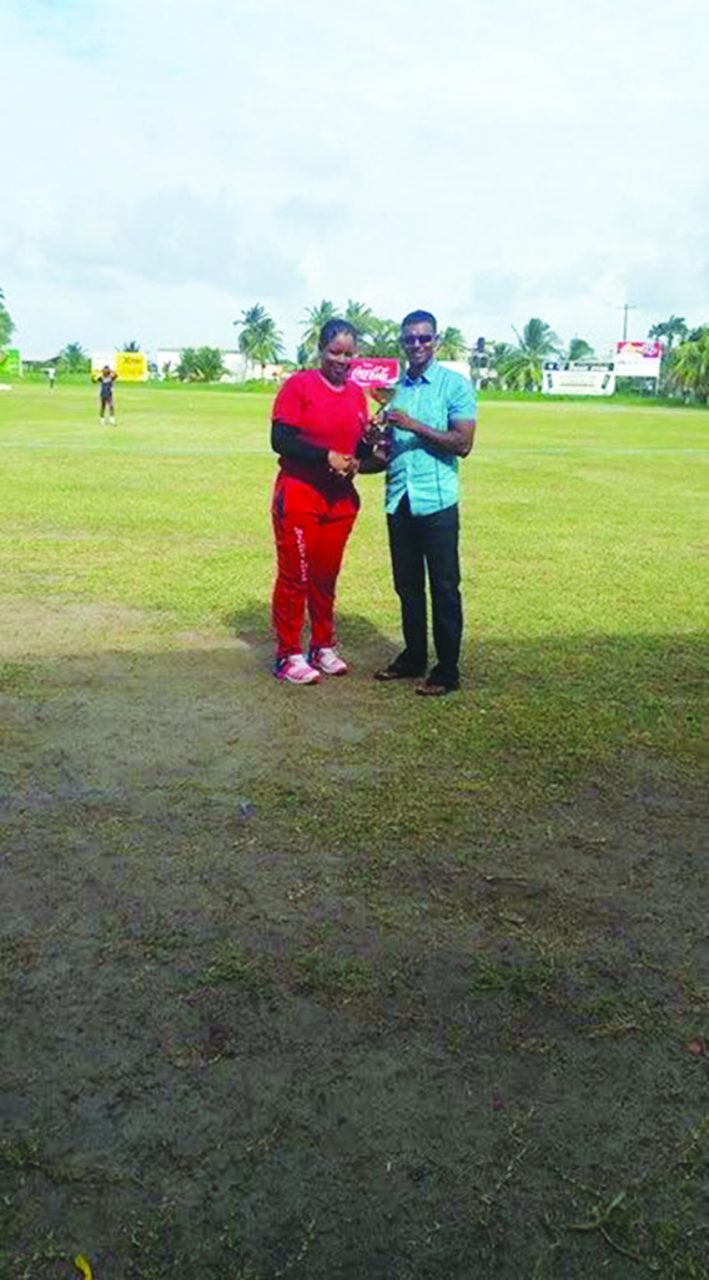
[[364, 450], [287, 441]]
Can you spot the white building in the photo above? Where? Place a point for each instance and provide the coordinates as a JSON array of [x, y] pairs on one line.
[[238, 368]]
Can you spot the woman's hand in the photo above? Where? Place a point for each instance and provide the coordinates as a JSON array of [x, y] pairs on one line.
[[342, 464]]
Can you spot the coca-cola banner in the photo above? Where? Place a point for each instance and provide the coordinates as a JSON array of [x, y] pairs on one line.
[[373, 372]]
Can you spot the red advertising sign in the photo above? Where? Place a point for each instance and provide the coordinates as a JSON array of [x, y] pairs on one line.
[[638, 359], [642, 350], [372, 373]]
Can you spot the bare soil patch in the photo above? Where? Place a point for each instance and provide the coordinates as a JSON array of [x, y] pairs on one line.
[[244, 1041]]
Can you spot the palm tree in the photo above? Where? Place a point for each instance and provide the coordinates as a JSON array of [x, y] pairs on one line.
[[452, 345], [202, 365], [688, 370], [675, 327], [384, 337], [316, 318], [579, 350], [131, 346], [521, 368], [187, 368], [73, 358], [210, 364], [7, 326], [259, 340], [360, 317]]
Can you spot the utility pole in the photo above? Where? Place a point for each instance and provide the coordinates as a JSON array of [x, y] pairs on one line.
[[626, 307]]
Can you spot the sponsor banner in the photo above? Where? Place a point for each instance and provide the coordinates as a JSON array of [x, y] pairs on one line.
[[579, 380], [373, 373], [10, 363], [131, 366], [638, 359]]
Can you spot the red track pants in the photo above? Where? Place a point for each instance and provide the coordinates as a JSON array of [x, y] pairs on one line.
[[311, 530]]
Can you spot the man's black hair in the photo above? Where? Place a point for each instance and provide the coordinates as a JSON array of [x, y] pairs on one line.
[[330, 330], [420, 317]]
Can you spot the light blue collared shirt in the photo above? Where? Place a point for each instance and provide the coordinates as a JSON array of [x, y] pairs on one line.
[[437, 397]]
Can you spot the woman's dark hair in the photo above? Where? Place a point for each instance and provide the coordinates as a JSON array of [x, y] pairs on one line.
[[330, 330]]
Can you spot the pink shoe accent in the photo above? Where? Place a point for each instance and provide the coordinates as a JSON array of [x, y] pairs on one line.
[[296, 670], [328, 661]]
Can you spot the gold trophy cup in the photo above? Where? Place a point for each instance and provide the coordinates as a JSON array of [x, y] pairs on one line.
[[379, 434]]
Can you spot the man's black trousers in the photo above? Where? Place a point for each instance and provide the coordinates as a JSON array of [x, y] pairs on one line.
[[417, 544]]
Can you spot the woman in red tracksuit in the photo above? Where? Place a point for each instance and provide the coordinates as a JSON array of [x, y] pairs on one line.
[[319, 421]]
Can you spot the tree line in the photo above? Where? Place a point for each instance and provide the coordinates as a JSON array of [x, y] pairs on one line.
[[513, 366], [7, 327]]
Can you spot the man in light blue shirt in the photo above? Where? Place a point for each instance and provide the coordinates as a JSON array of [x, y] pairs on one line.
[[432, 422]]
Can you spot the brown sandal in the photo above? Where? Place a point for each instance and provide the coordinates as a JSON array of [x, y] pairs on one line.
[[395, 673], [434, 690]]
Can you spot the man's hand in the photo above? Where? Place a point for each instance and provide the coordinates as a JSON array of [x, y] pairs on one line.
[[457, 440], [402, 420], [373, 431]]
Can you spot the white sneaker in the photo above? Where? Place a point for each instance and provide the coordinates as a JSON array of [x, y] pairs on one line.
[[328, 661], [296, 670], [113, 422]]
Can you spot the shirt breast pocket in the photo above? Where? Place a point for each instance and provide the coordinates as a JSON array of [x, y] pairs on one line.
[[440, 414]]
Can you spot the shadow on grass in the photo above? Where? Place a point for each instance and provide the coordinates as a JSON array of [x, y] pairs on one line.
[[252, 624], [333, 983]]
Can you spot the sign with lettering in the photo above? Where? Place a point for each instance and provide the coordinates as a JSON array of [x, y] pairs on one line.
[[374, 373]]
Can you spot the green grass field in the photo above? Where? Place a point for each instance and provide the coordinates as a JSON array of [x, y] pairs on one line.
[[335, 982]]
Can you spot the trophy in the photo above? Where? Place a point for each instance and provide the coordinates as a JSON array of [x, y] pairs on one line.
[[378, 378], [379, 433]]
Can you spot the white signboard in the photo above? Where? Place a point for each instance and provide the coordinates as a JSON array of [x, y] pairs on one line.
[[99, 360], [638, 359], [457, 366], [579, 380]]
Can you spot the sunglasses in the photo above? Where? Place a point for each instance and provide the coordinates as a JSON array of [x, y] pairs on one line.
[[417, 339]]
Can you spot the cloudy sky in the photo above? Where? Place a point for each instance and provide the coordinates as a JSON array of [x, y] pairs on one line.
[[167, 163]]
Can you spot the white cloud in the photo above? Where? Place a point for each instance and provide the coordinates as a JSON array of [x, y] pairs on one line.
[[490, 160]]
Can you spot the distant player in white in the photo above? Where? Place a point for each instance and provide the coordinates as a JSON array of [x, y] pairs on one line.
[[52, 375]]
